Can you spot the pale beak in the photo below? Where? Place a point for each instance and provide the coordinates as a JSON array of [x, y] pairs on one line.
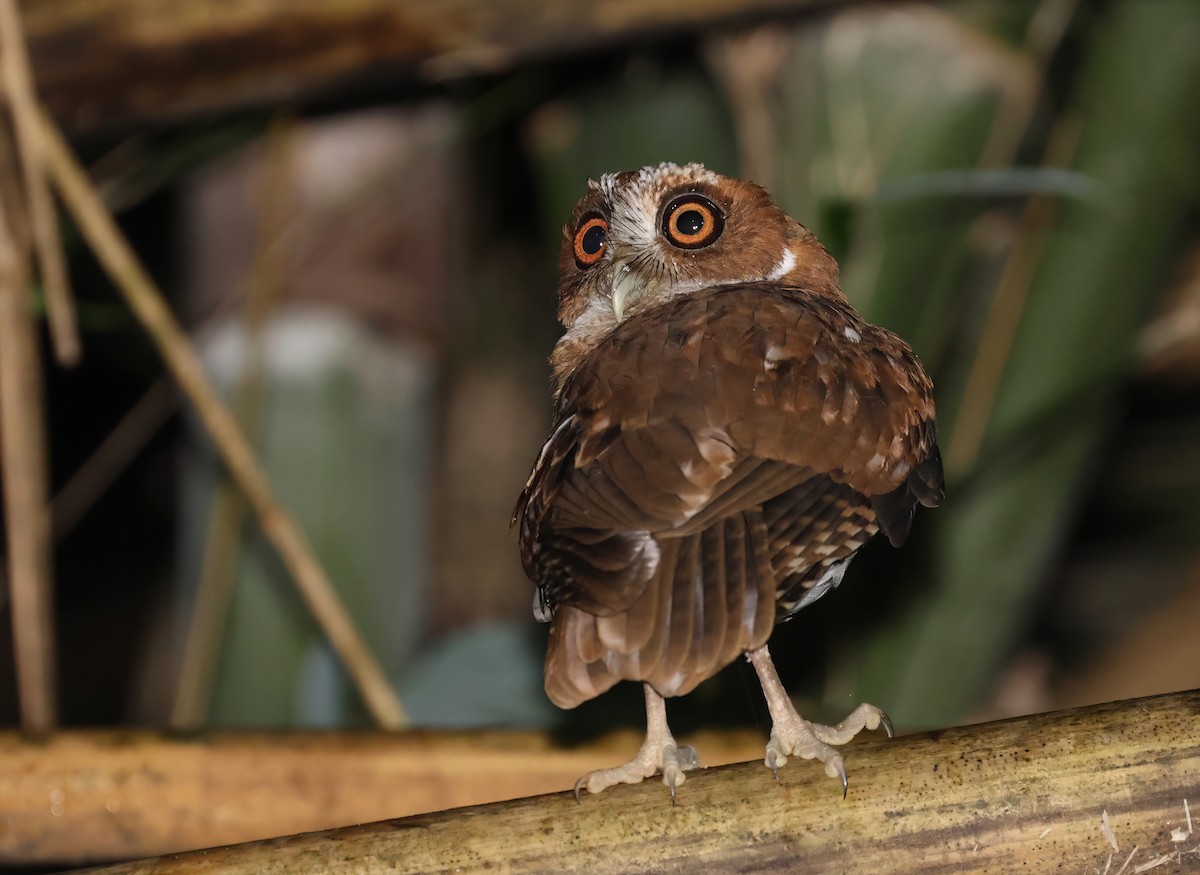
[[627, 286]]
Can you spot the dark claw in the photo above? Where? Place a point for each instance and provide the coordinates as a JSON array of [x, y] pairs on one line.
[[671, 787], [772, 764], [579, 790], [841, 770], [887, 724]]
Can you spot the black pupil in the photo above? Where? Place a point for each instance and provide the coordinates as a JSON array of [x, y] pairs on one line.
[[593, 239], [690, 222]]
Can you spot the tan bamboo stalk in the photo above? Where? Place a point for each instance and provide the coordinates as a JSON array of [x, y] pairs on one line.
[[23, 460], [1107, 788], [18, 86]]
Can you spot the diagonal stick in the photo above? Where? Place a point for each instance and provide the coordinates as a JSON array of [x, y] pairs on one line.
[[147, 303], [18, 85]]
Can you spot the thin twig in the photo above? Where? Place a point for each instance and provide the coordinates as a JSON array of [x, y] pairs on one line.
[[218, 569], [18, 84], [218, 576], [1004, 314], [1009, 127], [105, 464], [23, 461], [1018, 106], [147, 303]]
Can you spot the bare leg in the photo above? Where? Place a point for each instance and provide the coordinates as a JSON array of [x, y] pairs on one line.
[[792, 735], [658, 753]]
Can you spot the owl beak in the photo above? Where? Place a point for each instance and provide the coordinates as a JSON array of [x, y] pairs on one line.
[[627, 286]]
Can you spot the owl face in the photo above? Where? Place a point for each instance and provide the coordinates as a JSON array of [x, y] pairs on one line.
[[641, 236]]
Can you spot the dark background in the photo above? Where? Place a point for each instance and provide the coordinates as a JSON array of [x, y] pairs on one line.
[[1012, 186]]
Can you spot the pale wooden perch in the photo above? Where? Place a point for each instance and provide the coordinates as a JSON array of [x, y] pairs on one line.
[[1057, 792], [81, 797]]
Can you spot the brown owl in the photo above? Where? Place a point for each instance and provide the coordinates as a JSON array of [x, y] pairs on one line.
[[728, 432]]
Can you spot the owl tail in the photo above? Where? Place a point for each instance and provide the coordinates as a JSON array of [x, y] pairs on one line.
[[712, 598]]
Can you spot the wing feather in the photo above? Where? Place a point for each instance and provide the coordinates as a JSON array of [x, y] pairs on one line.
[[716, 462]]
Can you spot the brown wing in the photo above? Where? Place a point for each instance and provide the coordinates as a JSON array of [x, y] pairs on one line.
[[713, 403]]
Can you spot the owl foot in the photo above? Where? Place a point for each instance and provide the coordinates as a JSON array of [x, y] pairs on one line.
[[792, 735], [659, 753]]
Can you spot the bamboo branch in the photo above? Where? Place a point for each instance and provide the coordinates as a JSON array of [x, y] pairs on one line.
[[218, 568], [1066, 791], [127, 61], [147, 303], [129, 794], [18, 85], [114, 454], [23, 461]]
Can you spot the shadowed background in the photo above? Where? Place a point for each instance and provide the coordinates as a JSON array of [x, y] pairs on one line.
[[362, 244]]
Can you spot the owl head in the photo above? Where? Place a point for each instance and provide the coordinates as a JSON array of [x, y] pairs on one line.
[[641, 236]]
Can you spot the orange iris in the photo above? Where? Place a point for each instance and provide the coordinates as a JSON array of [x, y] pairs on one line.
[[590, 241], [692, 221]]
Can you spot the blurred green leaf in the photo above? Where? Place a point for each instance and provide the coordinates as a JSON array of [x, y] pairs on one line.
[[648, 115], [91, 316], [1102, 268]]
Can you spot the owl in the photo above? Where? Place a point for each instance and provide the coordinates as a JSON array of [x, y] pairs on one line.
[[728, 432]]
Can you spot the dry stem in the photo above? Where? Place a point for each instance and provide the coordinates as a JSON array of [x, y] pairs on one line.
[[18, 82], [147, 303], [218, 569], [101, 469], [1004, 313], [23, 460]]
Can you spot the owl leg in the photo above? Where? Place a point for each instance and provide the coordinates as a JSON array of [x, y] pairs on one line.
[[658, 753], [792, 735]]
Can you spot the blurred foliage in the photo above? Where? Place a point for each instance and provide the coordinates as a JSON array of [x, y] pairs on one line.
[[648, 113], [1057, 396], [909, 139], [1007, 186]]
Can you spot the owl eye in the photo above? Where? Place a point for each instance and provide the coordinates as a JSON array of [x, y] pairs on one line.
[[692, 221], [590, 241]]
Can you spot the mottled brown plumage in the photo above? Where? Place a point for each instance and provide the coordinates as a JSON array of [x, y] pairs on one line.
[[728, 433]]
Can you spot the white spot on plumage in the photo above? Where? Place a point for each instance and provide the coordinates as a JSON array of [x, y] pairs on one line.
[[594, 321], [693, 502], [829, 580], [716, 448], [651, 554], [542, 612], [671, 686], [851, 335], [546, 448], [784, 266]]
